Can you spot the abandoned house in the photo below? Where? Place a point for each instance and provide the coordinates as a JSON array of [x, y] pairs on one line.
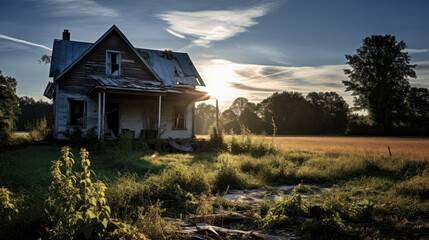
[[109, 88]]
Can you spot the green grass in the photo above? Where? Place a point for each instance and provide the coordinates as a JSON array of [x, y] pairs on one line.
[[379, 196]]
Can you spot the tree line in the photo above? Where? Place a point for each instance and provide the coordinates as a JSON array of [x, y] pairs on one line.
[[379, 81], [18, 113]]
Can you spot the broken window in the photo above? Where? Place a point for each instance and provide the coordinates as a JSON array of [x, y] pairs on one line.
[[113, 63], [77, 112], [179, 117]]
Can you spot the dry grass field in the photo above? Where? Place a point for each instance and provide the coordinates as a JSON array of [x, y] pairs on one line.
[[413, 148]]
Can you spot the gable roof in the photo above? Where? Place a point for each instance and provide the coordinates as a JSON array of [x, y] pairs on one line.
[[65, 53], [170, 68]]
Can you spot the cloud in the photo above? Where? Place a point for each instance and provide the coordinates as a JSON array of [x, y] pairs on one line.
[[175, 34], [23, 42], [78, 8], [204, 27], [256, 89], [413, 51]]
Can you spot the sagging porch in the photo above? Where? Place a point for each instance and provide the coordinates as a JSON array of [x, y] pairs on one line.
[[146, 114]]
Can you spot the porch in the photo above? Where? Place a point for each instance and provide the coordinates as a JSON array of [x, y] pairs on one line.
[[146, 115]]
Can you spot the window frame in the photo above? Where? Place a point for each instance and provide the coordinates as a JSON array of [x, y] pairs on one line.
[[109, 63], [84, 111]]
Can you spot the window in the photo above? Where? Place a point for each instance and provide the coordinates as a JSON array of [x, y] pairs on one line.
[[77, 112], [179, 117], [113, 63]]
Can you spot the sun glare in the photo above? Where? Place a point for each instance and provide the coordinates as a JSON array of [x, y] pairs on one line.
[[217, 75]]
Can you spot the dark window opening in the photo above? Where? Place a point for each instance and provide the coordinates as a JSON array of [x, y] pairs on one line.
[[113, 66], [179, 117], [77, 112]]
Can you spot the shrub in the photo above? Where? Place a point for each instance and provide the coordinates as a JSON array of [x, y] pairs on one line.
[[76, 204], [126, 194], [228, 176], [153, 225], [216, 141], [7, 206], [328, 227], [285, 211], [176, 181], [38, 129]]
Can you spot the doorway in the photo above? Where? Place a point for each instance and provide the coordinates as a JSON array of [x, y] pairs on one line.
[[112, 117]]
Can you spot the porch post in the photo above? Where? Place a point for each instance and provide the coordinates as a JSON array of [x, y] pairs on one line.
[[159, 117], [99, 116], [103, 116]]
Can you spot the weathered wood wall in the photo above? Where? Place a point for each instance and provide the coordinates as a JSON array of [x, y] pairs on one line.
[[94, 63], [62, 103]]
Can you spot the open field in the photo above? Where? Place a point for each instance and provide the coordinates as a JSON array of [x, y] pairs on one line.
[[363, 195], [412, 148]]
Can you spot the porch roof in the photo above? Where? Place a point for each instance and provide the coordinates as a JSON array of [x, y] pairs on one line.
[[134, 86]]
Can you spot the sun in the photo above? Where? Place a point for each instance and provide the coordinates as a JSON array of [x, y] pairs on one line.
[[217, 75]]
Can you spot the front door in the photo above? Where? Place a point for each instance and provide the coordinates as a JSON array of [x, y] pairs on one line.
[[112, 117]]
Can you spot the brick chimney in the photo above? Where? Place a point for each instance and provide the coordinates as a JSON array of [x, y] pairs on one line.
[[66, 35]]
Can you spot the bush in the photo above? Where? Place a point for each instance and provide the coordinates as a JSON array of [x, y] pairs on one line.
[[175, 182], [285, 211], [76, 204], [328, 227], [8, 207], [153, 225], [38, 129], [126, 194], [228, 176], [216, 141]]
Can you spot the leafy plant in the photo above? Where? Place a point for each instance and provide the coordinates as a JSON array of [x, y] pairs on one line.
[[7, 206], [285, 211], [76, 204], [328, 227]]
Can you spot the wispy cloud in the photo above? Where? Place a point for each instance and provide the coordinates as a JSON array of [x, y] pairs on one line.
[[413, 50], [256, 82], [175, 34], [76, 8], [23, 42], [204, 27]]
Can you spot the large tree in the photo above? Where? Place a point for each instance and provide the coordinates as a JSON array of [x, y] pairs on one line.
[[330, 111], [290, 111], [379, 78], [9, 108]]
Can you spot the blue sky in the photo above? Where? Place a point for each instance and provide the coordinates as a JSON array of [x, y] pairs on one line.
[[241, 48]]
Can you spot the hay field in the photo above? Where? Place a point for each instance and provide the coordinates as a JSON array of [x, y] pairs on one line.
[[412, 148]]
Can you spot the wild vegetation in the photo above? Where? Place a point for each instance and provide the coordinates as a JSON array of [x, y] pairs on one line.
[[367, 196]]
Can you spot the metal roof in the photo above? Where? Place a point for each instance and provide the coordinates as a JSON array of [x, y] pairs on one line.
[[126, 82], [65, 53], [172, 68]]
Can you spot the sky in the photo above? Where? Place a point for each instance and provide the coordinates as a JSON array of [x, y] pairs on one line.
[[242, 48]]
